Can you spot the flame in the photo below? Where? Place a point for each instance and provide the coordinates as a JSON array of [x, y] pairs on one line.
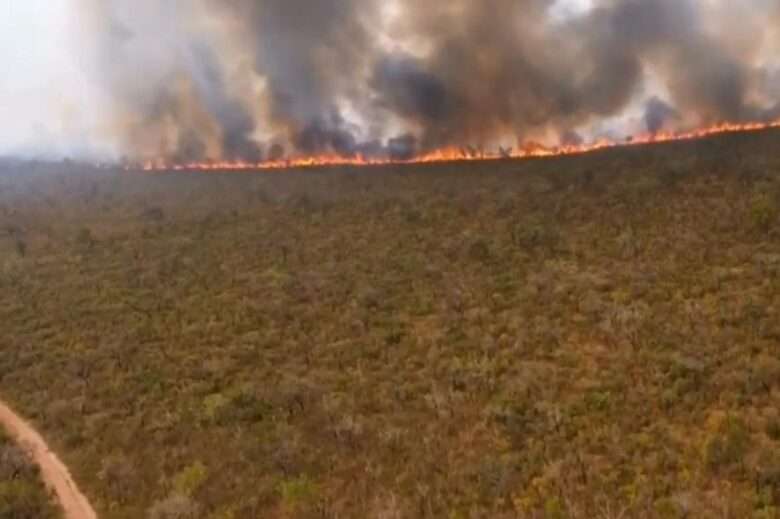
[[452, 154]]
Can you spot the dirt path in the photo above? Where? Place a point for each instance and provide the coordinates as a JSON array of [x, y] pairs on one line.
[[53, 471]]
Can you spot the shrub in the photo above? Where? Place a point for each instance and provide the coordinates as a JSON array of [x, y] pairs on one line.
[[85, 239], [21, 247], [553, 509], [535, 234], [773, 428], [297, 492], [190, 479], [24, 499], [670, 177], [764, 373], [116, 472], [175, 506], [479, 251], [727, 445], [155, 214], [215, 407], [22, 495], [763, 212]]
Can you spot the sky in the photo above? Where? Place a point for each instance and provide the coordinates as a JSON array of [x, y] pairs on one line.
[[46, 104]]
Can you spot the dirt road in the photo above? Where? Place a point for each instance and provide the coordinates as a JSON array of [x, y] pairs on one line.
[[53, 471]]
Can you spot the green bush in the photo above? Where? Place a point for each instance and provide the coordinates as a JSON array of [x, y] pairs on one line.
[[297, 492], [190, 479], [24, 499], [763, 212], [535, 233], [175, 506], [22, 494], [727, 445]]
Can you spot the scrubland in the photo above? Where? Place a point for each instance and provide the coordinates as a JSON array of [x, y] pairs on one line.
[[593, 336], [22, 493]]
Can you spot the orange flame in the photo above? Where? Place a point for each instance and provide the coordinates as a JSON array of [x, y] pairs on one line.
[[528, 150]]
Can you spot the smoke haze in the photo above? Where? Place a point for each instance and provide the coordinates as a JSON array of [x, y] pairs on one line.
[[259, 79]]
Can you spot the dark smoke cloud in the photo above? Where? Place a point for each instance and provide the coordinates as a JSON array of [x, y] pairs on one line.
[[409, 90], [235, 121], [310, 52], [657, 113], [507, 68], [211, 78], [328, 134], [403, 147]]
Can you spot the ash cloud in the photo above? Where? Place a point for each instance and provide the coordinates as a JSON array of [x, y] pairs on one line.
[[213, 79]]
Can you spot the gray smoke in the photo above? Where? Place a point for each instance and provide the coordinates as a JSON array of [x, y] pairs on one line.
[[657, 114], [703, 75], [236, 123], [215, 79]]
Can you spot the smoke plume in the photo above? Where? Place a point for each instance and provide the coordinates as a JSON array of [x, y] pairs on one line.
[[264, 79], [657, 115]]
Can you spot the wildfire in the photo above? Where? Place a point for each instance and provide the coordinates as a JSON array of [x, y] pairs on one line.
[[528, 150]]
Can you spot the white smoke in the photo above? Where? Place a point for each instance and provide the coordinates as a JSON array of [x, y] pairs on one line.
[[48, 107]]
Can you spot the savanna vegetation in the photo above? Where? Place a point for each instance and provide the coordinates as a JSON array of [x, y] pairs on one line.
[[22, 493], [581, 337]]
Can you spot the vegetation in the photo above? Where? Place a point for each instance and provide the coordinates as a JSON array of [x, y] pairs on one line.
[[22, 494], [580, 337]]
